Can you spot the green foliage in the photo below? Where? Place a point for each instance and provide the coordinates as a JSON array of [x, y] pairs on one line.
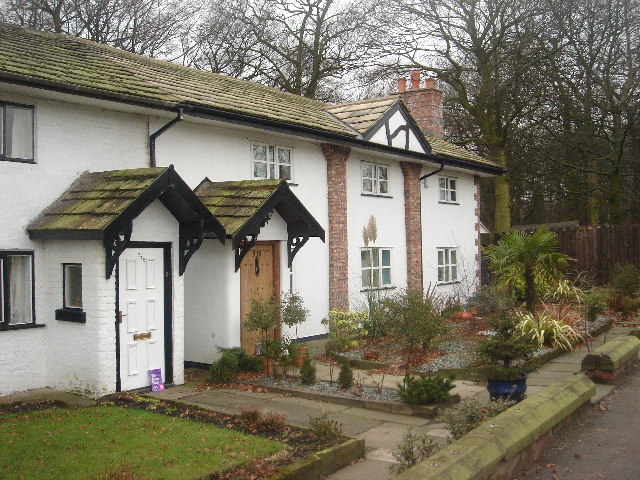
[[345, 377], [545, 330], [471, 413], [566, 291], [426, 390], [594, 302], [375, 325], [413, 449], [293, 312], [414, 319], [505, 346], [527, 258], [345, 328], [324, 428], [308, 372], [263, 316], [626, 280], [492, 301], [232, 361]]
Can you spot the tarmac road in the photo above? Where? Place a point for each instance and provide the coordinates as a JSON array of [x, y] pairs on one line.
[[602, 444]]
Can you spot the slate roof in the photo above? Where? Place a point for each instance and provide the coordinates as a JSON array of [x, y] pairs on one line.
[[85, 66], [241, 207], [98, 201]]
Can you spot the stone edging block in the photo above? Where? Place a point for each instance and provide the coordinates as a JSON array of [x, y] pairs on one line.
[[613, 355], [477, 455]]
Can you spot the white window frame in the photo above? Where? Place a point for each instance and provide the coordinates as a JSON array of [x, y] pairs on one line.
[[272, 160], [4, 134], [380, 267], [448, 270], [66, 285], [446, 192], [375, 179], [5, 294]]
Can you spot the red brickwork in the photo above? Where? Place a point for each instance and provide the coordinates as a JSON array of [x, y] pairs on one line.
[[424, 104], [413, 223], [476, 198], [338, 239]]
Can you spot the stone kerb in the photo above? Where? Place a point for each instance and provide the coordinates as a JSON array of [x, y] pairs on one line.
[[503, 444], [608, 362]]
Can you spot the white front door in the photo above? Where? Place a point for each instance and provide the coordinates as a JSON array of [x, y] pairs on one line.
[[141, 277]]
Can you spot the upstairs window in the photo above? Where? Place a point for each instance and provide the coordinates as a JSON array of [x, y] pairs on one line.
[[375, 178], [376, 267], [16, 132], [448, 190], [16, 289], [270, 161], [447, 265]]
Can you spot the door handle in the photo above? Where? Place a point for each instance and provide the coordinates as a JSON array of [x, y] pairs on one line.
[[120, 315]]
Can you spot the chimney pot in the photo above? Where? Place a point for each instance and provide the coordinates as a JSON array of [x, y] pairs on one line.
[[402, 84], [430, 83], [415, 79]]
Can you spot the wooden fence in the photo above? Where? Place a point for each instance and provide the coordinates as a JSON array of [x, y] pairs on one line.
[[596, 250]]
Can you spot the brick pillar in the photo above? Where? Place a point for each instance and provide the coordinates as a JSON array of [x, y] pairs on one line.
[[476, 198], [413, 223], [338, 240]]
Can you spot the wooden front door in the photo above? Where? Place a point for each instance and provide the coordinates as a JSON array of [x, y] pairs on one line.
[[141, 301], [259, 278]]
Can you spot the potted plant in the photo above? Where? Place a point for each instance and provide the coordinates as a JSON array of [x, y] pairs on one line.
[[264, 317], [505, 350], [292, 314]]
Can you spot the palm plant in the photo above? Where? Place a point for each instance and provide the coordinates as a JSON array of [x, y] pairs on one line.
[[527, 258]]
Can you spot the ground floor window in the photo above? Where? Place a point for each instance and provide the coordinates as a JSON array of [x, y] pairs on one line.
[[16, 288], [447, 265], [376, 267]]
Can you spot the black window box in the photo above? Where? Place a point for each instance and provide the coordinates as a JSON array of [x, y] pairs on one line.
[[71, 315]]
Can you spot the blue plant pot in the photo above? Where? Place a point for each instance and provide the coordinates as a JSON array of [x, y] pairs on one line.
[[507, 389]]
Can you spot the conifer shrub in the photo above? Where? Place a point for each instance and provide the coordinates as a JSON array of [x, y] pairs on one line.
[[426, 390], [307, 372], [345, 377]]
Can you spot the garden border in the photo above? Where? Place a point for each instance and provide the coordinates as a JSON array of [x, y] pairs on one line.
[[424, 411], [474, 374]]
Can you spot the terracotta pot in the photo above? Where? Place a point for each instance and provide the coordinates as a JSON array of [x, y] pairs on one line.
[[303, 351], [267, 366]]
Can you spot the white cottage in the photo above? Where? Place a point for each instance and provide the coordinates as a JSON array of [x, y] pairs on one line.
[[146, 203]]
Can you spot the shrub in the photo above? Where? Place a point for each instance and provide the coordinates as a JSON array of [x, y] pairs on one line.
[[491, 301], [324, 428], [426, 390], [375, 325], [345, 377], [250, 416], [471, 413], [232, 361], [626, 280], [345, 328], [594, 303], [253, 420], [546, 330], [412, 450], [308, 372], [566, 291]]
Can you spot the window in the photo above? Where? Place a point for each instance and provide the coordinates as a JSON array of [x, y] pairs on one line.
[[375, 178], [448, 192], [71, 294], [16, 289], [16, 132], [447, 265], [271, 161], [376, 267]]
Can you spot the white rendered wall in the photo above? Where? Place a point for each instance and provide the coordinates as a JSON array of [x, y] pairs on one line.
[[449, 225], [389, 214], [156, 224]]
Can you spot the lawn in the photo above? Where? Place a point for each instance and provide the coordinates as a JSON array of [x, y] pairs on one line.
[[84, 443]]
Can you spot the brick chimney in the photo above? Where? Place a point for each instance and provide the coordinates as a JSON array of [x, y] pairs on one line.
[[425, 104]]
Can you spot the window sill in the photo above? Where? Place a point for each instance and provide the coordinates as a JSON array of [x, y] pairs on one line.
[[71, 315], [447, 283], [379, 195], [17, 160], [448, 203], [20, 326], [377, 289]]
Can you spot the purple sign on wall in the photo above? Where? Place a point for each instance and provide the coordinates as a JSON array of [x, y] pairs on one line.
[[156, 380]]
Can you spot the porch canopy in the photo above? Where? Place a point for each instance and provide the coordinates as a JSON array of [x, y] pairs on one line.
[[103, 205], [244, 207]]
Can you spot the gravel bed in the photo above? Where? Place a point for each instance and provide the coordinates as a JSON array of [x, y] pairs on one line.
[[322, 386]]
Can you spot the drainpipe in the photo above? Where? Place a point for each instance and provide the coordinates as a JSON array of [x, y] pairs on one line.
[[153, 136], [434, 172]]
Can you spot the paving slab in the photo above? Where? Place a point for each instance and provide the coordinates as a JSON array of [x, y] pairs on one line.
[[353, 426], [387, 417], [365, 469], [219, 398], [388, 435], [563, 367], [380, 454], [304, 403]]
